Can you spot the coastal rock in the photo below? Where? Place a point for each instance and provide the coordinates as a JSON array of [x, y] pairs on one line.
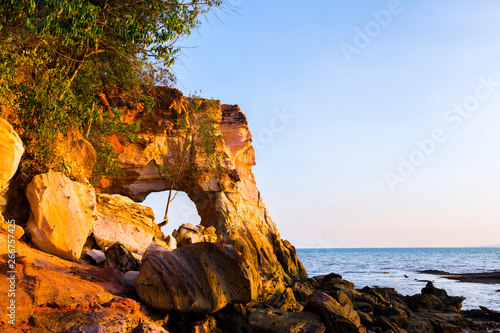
[[280, 321], [430, 289], [119, 219], [227, 200], [119, 257], [47, 286], [337, 318], [11, 150], [188, 234], [199, 278], [62, 214]]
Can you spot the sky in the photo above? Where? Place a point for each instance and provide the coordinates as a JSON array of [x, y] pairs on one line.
[[388, 128]]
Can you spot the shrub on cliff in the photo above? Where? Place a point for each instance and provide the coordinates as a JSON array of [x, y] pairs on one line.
[[57, 56]]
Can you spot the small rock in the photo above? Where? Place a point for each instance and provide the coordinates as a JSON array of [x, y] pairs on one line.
[[120, 258], [97, 255], [130, 278], [430, 289]]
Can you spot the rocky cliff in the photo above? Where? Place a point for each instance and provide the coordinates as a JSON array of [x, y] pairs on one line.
[[93, 260]]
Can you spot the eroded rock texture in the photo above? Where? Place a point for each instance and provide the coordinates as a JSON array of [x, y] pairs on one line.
[[227, 199], [121, 220], [200, 278]]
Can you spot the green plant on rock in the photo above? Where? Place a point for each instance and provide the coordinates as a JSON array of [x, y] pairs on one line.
[[57, 56], [192, 154]]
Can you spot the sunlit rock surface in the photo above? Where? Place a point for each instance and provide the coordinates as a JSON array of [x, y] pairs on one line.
[[62, 214], [227, 200], [121, 220]]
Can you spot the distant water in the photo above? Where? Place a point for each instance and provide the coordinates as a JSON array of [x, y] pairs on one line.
[[388, 267]]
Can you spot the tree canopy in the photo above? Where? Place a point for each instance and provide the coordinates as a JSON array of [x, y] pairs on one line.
[[56, 56]]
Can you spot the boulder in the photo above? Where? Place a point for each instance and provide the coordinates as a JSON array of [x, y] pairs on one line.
[[280, 321], [199, 278], [188, 234], [11, 150], [430, 289], [119, 219], [62, 214], [337, 318]]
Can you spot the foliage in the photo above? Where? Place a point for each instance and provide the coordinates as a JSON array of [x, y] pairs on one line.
[[194, 153], [56, 56]]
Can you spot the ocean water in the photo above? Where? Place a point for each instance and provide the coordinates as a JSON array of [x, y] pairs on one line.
[[398, 268]]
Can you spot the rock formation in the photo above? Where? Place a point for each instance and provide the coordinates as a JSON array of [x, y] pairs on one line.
[[200, 278], [232, 273], [62, 214], [227, 199], [119, 219]]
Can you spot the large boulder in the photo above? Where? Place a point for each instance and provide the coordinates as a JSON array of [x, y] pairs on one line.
[[337, 318], [119, 219], [11, 150], [199, 278], [62, 214]]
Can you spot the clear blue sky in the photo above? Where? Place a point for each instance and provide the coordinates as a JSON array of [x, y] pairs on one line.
[[395, 136]]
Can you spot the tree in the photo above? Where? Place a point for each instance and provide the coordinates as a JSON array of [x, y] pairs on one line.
[[192, 154], [57, 56]]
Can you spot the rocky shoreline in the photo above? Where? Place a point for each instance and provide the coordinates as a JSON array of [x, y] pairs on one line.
[[83, 259], [487, 277]]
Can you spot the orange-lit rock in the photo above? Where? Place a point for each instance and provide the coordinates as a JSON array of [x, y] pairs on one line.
[[226, 199], [56, 295], [11, 150], [121, 220], [62, 214], [76, 156], [200, 278]]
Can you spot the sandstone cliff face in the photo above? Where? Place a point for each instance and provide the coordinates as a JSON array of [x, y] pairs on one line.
[[228, 200]]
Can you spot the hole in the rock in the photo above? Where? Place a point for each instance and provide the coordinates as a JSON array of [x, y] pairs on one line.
[[181, 210]]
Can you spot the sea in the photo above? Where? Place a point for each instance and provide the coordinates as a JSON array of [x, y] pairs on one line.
[[399, 268]]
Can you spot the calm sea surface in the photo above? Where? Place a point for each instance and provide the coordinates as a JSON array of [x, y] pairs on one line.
[[388, 267]]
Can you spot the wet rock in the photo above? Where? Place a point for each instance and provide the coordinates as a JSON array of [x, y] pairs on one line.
[[336, 317], [62, 214], [199, 278], [430, 289], [121, 220], [119, 257], [279, 321]]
